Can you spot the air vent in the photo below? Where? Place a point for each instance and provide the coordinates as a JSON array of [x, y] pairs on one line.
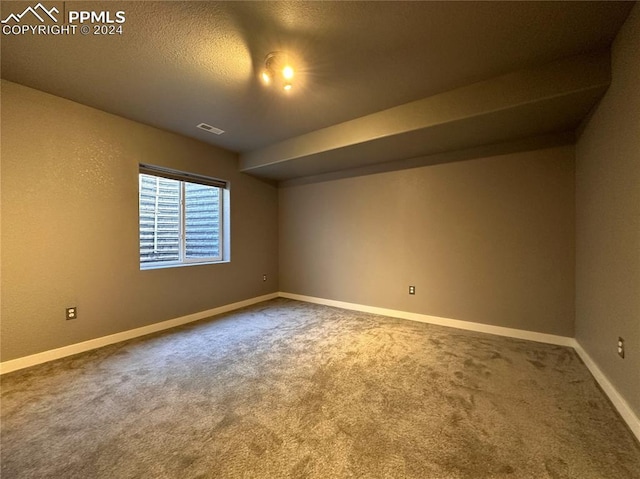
[[210, 129]]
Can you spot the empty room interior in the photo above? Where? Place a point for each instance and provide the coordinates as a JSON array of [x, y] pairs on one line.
[[320, 239]]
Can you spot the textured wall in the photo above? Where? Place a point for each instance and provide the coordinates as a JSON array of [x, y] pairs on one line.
[[70, 226], [488, 240], [608, 221]]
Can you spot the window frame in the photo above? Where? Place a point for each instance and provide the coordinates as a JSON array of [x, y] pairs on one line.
[[224, 217]]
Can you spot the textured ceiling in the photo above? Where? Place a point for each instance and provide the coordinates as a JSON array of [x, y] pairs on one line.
[[178, 64]]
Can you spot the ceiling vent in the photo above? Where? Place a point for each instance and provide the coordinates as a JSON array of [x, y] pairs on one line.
[[210, 129]]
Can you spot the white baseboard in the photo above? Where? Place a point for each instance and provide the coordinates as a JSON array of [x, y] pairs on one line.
[[616, 398], [618, 401], [46, 356], [452, 323]]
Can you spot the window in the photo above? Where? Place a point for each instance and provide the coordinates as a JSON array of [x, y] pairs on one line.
[[183, 218]]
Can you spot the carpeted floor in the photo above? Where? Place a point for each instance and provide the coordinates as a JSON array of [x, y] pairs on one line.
[[285, 389]]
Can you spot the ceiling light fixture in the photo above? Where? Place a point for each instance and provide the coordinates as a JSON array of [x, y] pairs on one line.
[[278, 71]]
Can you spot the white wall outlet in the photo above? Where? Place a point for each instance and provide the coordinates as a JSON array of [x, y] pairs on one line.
[[264, 277], [621, 347], [72, 313], [412, 290]]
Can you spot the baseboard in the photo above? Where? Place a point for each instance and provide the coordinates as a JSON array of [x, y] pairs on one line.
[[452, 323], [46, 356], [618, 401], [616, 398]]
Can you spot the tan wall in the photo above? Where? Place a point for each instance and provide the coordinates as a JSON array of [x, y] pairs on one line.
[[488, 240], [608, 221], [70, 226]]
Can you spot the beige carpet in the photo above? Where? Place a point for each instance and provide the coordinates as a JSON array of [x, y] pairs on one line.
[[286, 389]]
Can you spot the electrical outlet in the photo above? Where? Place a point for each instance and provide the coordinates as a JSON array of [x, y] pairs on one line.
[[264, 277], [621, 347], [412, 290], [72, 313]]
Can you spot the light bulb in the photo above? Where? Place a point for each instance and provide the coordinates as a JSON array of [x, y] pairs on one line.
[[287, 72], [266, 78], [287, 86]]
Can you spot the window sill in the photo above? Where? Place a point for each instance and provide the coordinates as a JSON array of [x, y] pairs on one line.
[[148, 267]]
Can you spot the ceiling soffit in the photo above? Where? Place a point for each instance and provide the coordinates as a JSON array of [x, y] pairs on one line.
[[537, 101]]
